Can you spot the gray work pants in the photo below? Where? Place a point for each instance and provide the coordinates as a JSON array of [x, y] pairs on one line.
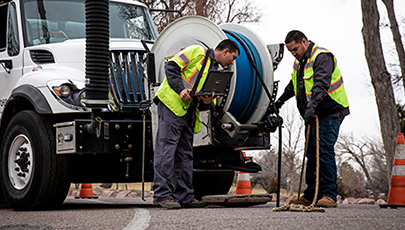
[[173, 157]]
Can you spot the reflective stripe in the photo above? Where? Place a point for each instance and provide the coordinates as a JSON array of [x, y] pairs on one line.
[[189, 83], [295, 66], [193, 76], [335, 85], [243, 176], [184, 59], [309, 65], [316, 48], [398, 170], [186, 83], [309, 96], [311, 62], [400, 152]]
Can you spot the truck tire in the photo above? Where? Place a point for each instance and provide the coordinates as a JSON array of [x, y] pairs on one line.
[[212, 183], [32, 175]]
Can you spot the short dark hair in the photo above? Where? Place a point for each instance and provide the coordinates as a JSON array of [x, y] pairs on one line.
[[296, 36], [228, 44]]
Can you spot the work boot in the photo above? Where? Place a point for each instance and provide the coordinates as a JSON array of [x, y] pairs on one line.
[[326, 202], [169, 204], [301, 200], [194, 204]]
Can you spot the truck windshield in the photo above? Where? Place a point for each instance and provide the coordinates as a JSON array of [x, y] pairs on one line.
[[53, 21]]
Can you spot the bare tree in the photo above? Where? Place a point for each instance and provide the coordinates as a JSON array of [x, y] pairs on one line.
[[389, 4], [218, 11], [380, 78], [292, 153], [369, 155], [293, 144], [247, 12], [379, 167], [350, 181], [268, 161], [162, 19], [401, 116], [292, 149]]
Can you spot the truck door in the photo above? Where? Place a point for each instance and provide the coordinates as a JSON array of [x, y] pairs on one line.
[[10, 55]]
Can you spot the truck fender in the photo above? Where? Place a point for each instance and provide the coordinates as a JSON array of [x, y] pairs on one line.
[[34, 96]]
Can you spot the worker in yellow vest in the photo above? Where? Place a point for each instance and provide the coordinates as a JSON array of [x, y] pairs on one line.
[[318, 87], [179, 119]]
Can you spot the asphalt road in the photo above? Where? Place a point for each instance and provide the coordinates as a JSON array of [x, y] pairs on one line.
[[133, 213]]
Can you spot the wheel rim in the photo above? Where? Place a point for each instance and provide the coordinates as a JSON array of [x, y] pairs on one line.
[[20, 162]]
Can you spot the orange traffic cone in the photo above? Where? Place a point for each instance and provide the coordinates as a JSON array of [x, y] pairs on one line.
[[243, 186], [86, 191], [396, 196]]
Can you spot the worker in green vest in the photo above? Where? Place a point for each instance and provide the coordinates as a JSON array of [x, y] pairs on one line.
[[179, 119], [318, 87]]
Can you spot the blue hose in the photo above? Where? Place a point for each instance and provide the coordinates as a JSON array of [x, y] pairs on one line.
[[248, 88]]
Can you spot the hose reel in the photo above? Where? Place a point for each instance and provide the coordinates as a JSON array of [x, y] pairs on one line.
[[247, 101]]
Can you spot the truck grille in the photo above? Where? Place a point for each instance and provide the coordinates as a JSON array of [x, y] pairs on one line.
[[127, 84]]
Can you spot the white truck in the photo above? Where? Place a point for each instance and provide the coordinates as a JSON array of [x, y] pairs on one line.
[[61, 123]]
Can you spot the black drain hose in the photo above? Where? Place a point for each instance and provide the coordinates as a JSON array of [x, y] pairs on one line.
[[97, 52], [97, 59]]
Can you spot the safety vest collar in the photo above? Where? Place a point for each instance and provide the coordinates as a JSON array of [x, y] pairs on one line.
[[315, 50]]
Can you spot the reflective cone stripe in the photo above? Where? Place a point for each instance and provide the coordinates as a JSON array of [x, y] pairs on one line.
[[243, 185], [396, 195]]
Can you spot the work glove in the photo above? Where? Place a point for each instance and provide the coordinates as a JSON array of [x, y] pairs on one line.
[[309, 115], [278, 105]]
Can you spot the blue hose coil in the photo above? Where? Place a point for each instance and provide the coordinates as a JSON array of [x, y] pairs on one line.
[[248, 87]]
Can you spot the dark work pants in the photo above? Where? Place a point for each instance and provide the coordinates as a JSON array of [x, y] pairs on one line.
[[328, 134], [173, 158]]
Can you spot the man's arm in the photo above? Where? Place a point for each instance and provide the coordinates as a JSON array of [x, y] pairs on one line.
[[173, 75], [323, 69], [287, 94]]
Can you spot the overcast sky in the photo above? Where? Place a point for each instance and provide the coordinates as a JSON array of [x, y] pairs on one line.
[[335, 25]]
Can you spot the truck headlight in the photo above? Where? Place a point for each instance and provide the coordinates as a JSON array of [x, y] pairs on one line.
[[65, 90], [67, 93]]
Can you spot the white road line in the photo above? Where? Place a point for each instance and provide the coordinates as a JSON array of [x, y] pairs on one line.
[[140, 221]]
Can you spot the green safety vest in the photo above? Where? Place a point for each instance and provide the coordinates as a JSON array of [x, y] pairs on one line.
[[336, 89], [190, 62]]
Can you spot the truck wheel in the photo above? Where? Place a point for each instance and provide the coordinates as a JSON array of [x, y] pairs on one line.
[[32, 175], [212, 183]]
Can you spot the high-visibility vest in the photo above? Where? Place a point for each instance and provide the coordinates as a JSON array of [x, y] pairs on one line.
[[336, 89], [190, 61]]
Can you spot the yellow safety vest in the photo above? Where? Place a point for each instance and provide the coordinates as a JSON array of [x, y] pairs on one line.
[[336, 89], [190, 61]]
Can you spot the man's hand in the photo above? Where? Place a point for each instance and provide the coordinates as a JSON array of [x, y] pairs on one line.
[[310, 115], [207, 99], [278, 105], [185, 94]]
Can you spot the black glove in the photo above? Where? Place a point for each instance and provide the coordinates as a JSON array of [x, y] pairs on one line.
[[309, 115], [278, 104]]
